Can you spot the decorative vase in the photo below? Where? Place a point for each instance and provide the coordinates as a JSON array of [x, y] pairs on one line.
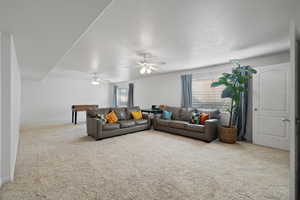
[[228, 134]]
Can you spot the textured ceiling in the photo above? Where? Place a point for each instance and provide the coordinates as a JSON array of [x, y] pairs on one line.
[[184, 34], [45, 29]]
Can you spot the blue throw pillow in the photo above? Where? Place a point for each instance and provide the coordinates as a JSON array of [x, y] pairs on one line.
[[167, 115]]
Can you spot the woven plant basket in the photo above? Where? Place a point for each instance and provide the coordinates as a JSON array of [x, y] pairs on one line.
[[228, 135]]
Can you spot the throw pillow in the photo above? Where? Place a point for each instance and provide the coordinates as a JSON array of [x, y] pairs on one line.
[[111, 117], [167, 115], [203, 118], [196, 118], [101, 118], [137, 115]]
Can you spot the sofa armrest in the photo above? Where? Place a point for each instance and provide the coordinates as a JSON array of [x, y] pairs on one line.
[[211, 129], [100, 125], [148, 118], [91, 125]]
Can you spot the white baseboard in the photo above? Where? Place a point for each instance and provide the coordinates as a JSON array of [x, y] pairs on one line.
[[4, 180]]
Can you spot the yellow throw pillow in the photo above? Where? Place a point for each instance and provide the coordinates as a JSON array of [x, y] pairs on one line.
[[137, 115], [111, 117]]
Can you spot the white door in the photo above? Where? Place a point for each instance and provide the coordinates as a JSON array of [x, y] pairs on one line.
[[271, 113], [294, 134]]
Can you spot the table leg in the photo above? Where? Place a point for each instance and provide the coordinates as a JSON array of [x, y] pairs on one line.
[[72, 116], [75, 117]]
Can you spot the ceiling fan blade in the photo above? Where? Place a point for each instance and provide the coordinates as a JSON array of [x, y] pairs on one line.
[[132, 67], [154, 68], [161, 63], [156, 63]]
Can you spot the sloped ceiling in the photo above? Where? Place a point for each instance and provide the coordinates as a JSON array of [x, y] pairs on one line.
[[297, 15], [45, 29], [184, 34]]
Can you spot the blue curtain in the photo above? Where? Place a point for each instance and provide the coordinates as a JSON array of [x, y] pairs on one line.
[[115, 90], [186, 91], [130, 95]]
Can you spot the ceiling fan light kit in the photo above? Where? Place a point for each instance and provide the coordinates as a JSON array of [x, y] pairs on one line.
[[143, 70], [93, 82], [95, 79], [149, 71], [148, 67]]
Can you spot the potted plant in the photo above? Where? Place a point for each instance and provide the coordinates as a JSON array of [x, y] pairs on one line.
[[234, 83]]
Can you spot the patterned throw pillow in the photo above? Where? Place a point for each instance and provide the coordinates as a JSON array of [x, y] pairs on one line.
[[101, 118], [203, 118], [167, 115], [137, 115], [195, 118], [111, 117]]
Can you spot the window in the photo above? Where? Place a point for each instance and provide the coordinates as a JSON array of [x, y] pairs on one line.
[[122, 97], [205, 96]]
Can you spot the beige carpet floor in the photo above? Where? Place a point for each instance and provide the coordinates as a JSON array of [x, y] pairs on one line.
[[62, 163]]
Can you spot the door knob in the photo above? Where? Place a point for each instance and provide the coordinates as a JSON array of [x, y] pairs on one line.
[[285, 120], [255, 109]]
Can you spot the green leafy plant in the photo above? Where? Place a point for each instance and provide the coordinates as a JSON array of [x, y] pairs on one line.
[[235, 85]]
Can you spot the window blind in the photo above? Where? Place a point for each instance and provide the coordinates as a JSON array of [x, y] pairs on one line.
[[205, 96], [122, 97]]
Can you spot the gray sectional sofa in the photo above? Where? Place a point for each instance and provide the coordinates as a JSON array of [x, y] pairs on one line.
[[99, 130], [180, 123]]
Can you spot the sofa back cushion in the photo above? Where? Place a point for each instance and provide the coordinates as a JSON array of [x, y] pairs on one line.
[[94, 113], [186, 114], [213, 113], [130, 110], [121, 113], [176, 111]]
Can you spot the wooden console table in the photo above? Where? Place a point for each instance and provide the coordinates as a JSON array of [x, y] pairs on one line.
[[79, 108], [152, 111]]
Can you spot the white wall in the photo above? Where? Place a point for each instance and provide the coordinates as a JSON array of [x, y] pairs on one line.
[[1, 159], [10, 107], [166, 88], [15, 105], [49, 101], [156, 90]]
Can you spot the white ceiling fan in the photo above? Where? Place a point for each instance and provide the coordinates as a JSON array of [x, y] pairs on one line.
[[96, 79], [147, 67]]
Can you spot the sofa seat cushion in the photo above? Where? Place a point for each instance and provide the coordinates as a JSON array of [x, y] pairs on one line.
[[126, 123], [177, 124], [195, 127], [111, 126], [163, 122], [141, 122]]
